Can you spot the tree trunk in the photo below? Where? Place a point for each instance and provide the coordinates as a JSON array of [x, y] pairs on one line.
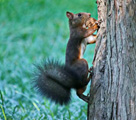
[[113, 87]]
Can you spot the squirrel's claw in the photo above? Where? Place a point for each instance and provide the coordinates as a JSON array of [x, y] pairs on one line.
[[84, 98], [91, 70]]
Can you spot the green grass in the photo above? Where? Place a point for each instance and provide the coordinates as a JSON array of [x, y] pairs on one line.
[[30, 31]]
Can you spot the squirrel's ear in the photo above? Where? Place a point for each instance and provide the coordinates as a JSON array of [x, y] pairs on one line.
[[70, 15]]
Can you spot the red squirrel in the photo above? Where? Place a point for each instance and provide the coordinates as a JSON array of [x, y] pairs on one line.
[[55, 80]]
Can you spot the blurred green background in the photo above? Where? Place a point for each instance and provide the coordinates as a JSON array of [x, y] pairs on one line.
[[30, 31]]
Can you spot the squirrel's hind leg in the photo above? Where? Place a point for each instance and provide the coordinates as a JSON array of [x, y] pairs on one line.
[[80, 91], [80, 94]]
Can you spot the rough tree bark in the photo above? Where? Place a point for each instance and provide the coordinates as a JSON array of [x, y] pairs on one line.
[[113, 87]]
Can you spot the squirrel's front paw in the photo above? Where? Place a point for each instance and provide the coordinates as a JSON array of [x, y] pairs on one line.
[[98, 22]]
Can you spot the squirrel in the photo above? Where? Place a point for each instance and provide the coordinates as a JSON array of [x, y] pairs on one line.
[[55, 80]]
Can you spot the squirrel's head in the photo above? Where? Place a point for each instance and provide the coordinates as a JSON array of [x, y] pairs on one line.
[[77, 20]]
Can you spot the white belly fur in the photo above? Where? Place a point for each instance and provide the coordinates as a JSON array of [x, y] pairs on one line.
[[90, 39], [83, 47], [84, 43]]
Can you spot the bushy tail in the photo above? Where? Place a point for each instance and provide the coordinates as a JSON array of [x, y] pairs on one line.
[[55, 81]]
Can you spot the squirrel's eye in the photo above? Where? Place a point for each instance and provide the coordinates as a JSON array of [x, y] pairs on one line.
[[79, 15]]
